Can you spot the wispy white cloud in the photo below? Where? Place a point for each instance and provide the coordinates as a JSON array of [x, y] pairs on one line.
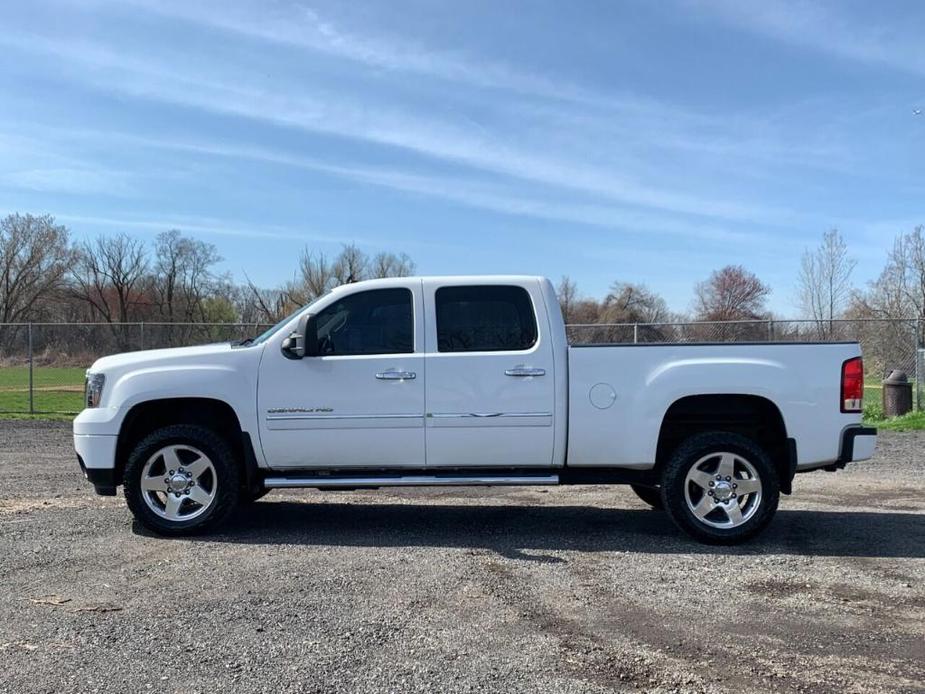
[[301, 26], [214, 226], [199, 225], [83, 181], [462, 190], [317, 110], [827, 27], [640, 117]]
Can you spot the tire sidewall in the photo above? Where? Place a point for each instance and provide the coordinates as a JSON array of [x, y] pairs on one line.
[[674, 476], [649, 495], [226, 472]]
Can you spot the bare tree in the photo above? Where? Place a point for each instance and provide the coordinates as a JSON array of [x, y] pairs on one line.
[[899, 292], [824, 282], [633, 303], [183, 276], [567, 291], [265, 306], [387, 264], [637, 304], [34, 260], [109, 276], [318, 275], [732, 293], [351, 265]]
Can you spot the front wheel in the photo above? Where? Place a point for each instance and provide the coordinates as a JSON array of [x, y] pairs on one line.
[[720, 488], [181, 480], [651, 495]]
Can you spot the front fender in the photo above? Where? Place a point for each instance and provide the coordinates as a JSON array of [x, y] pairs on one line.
[[123, 391]]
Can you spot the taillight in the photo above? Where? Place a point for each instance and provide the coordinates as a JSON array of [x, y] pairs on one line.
[[852, 385]]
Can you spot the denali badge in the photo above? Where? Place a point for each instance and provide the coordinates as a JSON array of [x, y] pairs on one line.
[[299, 410]]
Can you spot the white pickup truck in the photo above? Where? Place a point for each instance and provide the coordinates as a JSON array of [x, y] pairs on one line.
[[466, 381]]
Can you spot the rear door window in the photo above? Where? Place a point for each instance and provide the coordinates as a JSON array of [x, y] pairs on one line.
[[492, 318]]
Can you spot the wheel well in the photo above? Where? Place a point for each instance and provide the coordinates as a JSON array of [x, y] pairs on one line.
[[217, 415], [749, 415]]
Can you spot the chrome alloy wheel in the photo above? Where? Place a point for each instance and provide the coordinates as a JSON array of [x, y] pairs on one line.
[[178, 483], [723, 490]]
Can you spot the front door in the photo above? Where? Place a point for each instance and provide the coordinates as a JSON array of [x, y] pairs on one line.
[[360, 403], [490, 376]]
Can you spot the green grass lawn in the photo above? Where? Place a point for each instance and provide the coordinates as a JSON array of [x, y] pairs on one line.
[[914, 421], [57, 389]]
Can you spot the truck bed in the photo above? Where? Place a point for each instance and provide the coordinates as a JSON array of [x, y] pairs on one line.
[[619, 394]]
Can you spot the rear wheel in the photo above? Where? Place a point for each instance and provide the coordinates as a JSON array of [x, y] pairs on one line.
[[651, 495], [720, 488], [181, 480], [250, 496]]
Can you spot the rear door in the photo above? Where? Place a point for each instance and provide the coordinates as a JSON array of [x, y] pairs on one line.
[[490, 396]]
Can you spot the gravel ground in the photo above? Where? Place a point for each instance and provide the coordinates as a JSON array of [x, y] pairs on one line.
[[572, 589]]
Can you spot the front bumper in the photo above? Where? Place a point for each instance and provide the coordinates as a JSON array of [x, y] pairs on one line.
[[96, 455]]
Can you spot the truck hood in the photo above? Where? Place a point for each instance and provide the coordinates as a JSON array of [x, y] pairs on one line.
[[159, 357]]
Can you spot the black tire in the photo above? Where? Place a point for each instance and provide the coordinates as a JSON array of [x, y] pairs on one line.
[[675, 488], [226, 478], [651, 495], [249, 497]]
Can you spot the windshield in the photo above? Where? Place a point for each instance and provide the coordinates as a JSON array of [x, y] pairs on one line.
[[270, 332]]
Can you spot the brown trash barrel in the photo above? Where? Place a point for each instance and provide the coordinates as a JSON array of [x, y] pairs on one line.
[[897, 394]]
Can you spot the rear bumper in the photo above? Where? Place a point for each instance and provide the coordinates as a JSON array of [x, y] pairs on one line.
[[857, 443]]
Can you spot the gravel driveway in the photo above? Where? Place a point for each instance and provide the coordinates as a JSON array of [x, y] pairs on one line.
[[572, 589]]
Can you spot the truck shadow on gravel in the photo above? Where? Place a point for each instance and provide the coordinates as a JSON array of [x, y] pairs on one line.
[[525, 532]]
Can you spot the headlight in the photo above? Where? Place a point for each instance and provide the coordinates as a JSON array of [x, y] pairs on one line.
[[93, 389]]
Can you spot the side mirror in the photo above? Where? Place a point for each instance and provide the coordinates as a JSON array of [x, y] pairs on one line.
[[308, 324], [295, 345]]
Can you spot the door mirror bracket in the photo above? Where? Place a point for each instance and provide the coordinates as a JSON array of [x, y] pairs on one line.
[[300, 343]]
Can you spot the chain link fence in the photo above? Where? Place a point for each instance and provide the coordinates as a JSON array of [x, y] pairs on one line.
[[42, 364], [887, 344]]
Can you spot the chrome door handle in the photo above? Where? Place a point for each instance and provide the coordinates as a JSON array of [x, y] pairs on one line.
[[524, 371], [396, 375]]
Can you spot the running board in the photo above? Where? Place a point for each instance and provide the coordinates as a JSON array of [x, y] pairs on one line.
[[347, 481]]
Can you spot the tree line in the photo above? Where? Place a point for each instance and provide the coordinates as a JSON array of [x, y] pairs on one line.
[[825, 291], [46, 276]]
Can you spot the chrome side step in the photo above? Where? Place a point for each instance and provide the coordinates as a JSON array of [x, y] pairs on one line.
[[322, 481]]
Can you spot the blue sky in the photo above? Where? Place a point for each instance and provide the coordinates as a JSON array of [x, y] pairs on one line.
[[638, 141]]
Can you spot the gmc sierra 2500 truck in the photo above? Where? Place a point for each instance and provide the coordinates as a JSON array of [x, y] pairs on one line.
[[466, 381]]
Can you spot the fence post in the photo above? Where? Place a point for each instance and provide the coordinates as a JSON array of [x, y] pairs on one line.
[[31, 390], [770, 331], [635, 333], [917, 341], [142, 341]]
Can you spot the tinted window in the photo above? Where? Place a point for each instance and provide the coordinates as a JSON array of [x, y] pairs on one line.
[[484, 319], [375, 322]]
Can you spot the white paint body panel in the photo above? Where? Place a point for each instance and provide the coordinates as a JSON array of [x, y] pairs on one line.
[[218, 371], [804, 381], [479, 416], [332, 411]]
